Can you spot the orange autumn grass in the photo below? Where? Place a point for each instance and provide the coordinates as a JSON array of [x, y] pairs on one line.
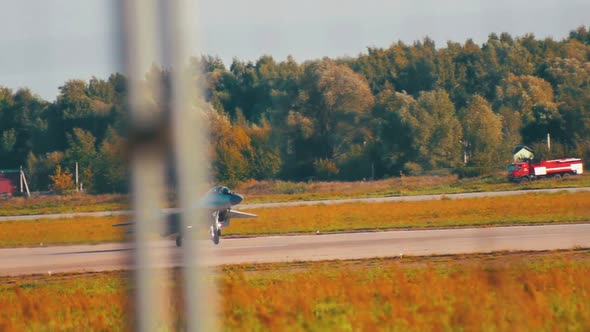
[[502, 291], [89, 302], [60, 231], [506, 293], [61, 203], [283, 191], [522, 209]]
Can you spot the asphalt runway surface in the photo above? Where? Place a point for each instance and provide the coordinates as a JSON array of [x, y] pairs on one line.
[[116, 256]]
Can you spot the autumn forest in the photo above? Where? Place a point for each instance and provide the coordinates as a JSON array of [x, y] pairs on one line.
[[406, 109]]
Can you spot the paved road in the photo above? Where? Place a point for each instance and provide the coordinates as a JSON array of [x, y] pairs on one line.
[[115, 256], [339, 201]]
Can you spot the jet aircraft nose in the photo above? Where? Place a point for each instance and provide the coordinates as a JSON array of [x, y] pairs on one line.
[[235, 199]]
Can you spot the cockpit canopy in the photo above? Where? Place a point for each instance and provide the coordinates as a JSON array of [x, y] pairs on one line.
[[220, 190]]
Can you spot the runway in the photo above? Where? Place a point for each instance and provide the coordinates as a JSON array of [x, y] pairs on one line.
[[115, 256]]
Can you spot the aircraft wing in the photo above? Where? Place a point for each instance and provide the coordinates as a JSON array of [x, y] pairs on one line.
[[240, 214]]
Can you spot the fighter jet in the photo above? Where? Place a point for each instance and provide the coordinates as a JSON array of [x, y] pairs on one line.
[[218, 203]]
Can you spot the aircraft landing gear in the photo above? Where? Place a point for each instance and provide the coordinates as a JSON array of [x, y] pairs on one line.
[[178, 240], [215, 233]]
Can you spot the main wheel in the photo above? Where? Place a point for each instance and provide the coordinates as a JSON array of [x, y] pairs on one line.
[[178, 241], [214, 235]]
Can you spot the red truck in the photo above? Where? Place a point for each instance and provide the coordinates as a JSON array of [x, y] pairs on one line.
[[525, 169]]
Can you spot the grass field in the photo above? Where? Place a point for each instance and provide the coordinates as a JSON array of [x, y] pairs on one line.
[[525, 209], [281, 191], [60, 231], [500, 291], [16, 206]]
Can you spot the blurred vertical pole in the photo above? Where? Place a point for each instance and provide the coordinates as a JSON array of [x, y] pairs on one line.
[[151, 132], [148, 128], [189, 134]]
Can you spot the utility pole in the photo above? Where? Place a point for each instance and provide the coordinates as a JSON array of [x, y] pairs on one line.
[[20, 177], [23, 180], [548, 142], [77, 186]]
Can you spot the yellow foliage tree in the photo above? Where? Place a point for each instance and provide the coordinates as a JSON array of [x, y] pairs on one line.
[[61, 181], [231, 146]]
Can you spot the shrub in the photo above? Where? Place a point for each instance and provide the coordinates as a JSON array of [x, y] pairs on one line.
[[289, 188], [61, 182], [414, 169], [469, 172], [325, 169]]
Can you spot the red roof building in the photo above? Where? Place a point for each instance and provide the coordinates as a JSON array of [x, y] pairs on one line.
[[8, 182]]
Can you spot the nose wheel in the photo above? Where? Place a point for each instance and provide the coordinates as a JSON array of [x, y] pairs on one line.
[[215, 234]]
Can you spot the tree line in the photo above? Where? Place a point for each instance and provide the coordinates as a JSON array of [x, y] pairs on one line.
[[405, 109]]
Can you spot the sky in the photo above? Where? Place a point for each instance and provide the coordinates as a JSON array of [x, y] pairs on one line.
[[47, 42]]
